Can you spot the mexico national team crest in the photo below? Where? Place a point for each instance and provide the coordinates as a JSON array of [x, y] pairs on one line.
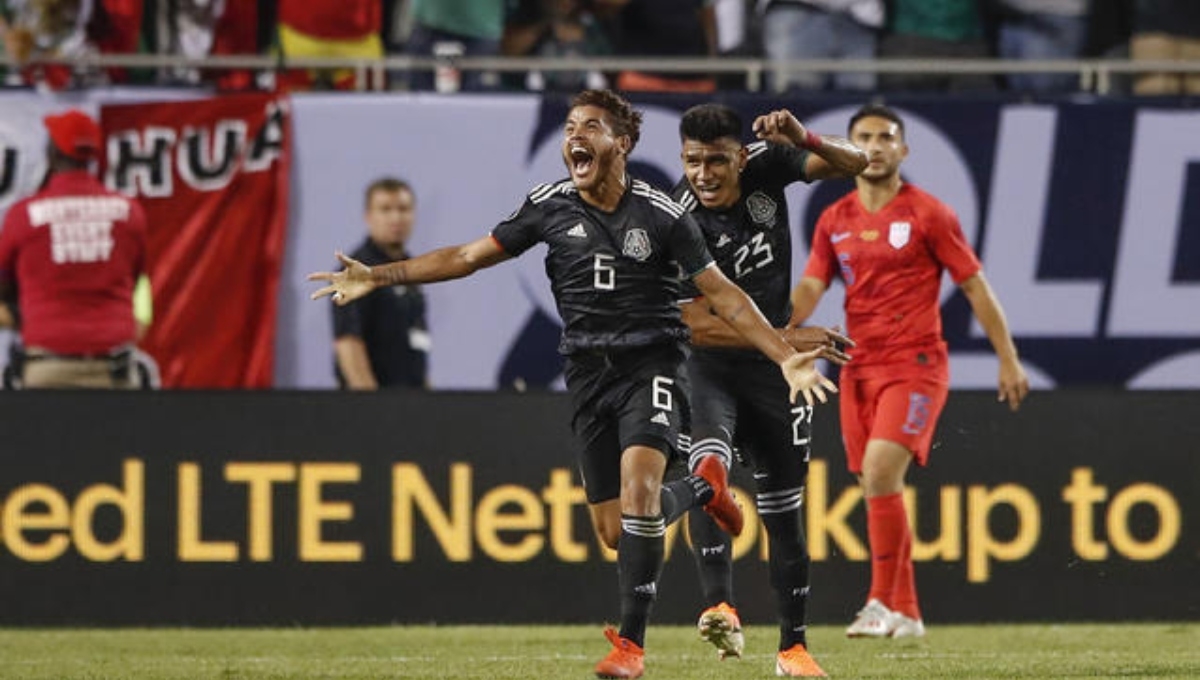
[[898, 234], [637, 244], [761, 208]]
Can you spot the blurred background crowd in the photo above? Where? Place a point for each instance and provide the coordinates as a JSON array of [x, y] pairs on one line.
[[37, 31]]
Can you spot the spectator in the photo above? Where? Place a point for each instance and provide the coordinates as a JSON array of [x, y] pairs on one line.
[[663, 28], [200, 28], [1042, 29], [822, 29], [382, 340], [934, 29], [472, 28], [330, 28], [48, 30], [73, 252], [556, 29], [1166, 30]]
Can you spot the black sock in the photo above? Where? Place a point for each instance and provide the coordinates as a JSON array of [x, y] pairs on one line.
[[681, 495], [712, 549], [639, 561], [781, 515]]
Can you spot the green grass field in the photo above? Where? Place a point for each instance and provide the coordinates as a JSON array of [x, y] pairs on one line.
[[498, 653]]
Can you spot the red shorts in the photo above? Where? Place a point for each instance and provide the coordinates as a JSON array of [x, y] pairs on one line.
[[901, 410]]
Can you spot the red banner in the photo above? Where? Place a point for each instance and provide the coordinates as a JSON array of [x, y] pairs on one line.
[[212, 176]]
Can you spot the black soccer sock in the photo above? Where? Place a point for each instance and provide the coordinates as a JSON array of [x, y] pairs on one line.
[[788, 563], [681, 495], [712, 549], [639, 561]]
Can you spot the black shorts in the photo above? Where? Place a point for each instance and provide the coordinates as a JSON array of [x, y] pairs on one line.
[[742, 399], [619, 399]]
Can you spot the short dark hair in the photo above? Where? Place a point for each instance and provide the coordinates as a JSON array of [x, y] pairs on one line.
[[388, 185], [707, 123], [625, 119], [876, 111]]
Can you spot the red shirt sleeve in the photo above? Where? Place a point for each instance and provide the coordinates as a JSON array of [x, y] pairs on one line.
[[822, 261], [950, 246]]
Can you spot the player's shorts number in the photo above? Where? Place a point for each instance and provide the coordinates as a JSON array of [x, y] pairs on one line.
[[606, 274], [661, 392], [801, 421]]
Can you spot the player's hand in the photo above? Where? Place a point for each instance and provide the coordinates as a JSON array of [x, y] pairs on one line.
[[1014, 384], [803, 378], [347, 285], [779, 126], [830, 341]]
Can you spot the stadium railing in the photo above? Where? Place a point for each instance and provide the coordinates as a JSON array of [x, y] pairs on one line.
[[1096, 76]]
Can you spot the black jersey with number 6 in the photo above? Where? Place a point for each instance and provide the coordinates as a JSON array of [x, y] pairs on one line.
[[751, 240], [615, 276]]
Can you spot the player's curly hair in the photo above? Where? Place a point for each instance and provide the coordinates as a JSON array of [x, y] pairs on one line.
[[625, 119], [706, 123]]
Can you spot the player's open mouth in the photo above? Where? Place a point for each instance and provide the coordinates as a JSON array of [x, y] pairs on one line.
[[581, 160], [707, 192]]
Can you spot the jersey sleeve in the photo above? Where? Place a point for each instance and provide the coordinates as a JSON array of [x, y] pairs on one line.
[[822, 260], [522, 230], [950, 247], [348, 319], [783, 164], [687, 246]]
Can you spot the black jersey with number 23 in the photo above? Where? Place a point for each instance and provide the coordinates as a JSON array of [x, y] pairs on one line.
[[751, 240], [615, 276]]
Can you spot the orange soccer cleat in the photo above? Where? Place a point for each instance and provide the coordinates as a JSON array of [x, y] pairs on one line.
[[796, 662], [723, 507], [721, 626], [624, 660]]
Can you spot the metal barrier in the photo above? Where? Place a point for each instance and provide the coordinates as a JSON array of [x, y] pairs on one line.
[[1095, 75]]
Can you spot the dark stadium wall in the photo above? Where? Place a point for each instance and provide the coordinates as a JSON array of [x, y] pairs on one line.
[[202, 508]]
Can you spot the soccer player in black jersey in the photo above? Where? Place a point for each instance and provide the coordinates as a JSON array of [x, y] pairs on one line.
[[736, 194], [615, 250]]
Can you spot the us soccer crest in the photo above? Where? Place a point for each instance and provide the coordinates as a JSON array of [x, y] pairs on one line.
[[637, 244], [898, 234], [761, 208]]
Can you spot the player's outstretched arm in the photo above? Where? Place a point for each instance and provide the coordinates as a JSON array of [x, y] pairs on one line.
[[1014, 384], [831, 155], [444, 264], [739, 311]]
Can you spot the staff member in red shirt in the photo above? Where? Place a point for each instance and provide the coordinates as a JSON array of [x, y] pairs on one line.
[[73, 252], [889, 242]]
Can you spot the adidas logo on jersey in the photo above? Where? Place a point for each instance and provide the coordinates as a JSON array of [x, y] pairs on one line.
[[723, 241], [661, 419], [577, 231]]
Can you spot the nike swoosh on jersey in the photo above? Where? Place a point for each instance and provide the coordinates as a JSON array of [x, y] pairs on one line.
[[835, 238]]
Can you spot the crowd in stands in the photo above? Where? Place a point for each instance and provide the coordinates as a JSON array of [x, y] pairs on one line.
[[777, 30]]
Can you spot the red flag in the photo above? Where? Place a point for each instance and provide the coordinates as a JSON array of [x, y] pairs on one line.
[[212, 176]]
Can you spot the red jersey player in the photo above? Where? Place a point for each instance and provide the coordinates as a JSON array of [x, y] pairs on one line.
[[889, 242]]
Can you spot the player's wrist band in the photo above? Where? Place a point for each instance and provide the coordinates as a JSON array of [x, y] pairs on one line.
[[811, 140]]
